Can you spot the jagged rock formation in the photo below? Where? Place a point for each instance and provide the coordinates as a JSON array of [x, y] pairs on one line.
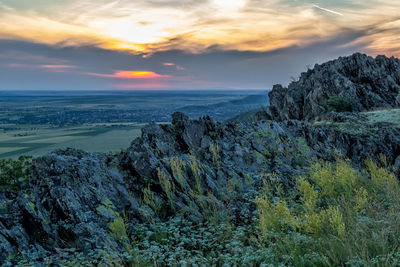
[[73, 196], [373, 83], [325, 139]]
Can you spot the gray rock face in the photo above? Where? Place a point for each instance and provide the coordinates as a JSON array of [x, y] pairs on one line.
[[325, 140], [67, 205], [372, 83]]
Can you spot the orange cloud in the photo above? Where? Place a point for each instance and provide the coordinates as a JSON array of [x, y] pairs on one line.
[[125, 74], [151, 26]]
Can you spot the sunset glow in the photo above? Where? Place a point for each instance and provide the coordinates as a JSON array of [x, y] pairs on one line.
[[187, 44], [138, 75], [125, 74], [149, 26]]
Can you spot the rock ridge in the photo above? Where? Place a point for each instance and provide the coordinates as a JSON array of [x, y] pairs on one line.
[[371, 82]]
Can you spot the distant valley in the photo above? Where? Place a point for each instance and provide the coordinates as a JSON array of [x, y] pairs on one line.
[[35, 123]]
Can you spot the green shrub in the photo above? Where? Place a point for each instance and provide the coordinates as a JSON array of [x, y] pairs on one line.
[[340, 104], [178, 167], [215, 152], [167, 186], [118, 229], [196, 173], [345, 215], [14, 173]]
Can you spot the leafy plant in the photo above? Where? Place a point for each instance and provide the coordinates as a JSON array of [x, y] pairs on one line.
[[344, 215], [118, 229], [340, 104], [14, 173], [167, 186], [196, 173], [150, 200], [178, 167], [215, 152]]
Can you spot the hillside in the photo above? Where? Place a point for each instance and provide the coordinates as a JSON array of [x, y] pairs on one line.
[[303, 183], [363, 82]]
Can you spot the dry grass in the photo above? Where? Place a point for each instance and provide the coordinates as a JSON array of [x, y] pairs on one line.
[[391, 116]]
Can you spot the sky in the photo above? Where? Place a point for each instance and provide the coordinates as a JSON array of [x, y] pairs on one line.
[[187, 44]]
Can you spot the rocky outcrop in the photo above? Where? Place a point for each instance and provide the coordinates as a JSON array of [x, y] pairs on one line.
[[73, 196], [191, 166], [67, 205], [326, 140], [371, 83]]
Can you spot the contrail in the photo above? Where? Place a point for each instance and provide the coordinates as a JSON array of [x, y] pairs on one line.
[[328, 10]]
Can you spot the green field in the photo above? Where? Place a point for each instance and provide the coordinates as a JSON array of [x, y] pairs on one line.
[[391, 116], [37, 140], [35, 123], [369, 124]]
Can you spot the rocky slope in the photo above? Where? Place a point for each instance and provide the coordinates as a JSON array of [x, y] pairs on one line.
[[194, 166], [373, 83], [73, 195]]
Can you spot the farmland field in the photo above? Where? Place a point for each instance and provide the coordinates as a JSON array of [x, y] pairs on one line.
[[38, 140], [35, 123]]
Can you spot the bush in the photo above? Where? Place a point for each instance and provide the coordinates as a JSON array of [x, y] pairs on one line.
[[118, 229], [14, 173], [340, 104], [344, 216]]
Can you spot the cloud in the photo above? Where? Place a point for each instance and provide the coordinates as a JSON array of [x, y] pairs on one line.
[[215, 68], [140, 86], [58, 68], [17, 52], [17, 65], [170, 64], [126, 74], [47, 67], [150, 26]]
